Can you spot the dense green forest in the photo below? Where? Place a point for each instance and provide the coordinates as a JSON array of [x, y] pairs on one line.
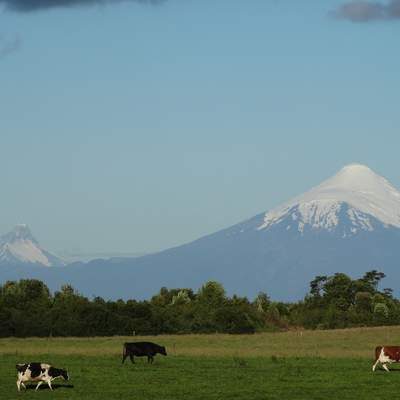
[[27, 308]]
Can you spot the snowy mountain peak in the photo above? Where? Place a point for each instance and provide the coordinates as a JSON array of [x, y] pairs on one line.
[[358, 178], [20, 247], [356, 191], [20, 232]]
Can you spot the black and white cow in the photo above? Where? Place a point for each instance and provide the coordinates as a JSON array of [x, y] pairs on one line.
[[38, 372]]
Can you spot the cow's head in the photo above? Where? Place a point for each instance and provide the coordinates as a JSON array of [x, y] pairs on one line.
[[58, 373], [64, 374], [163, 350]]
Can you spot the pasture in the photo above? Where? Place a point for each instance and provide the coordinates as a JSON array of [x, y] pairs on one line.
[[289, 365]]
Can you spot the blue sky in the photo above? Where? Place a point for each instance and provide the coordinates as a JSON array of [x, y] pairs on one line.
[[132, 127]]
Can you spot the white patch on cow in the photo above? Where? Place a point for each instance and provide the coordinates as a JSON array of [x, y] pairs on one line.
[[383, 358]]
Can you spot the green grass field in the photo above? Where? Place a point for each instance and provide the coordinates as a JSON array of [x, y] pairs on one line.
[[291, 365]]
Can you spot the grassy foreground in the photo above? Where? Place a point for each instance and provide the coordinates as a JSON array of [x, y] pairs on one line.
[[291, 365]]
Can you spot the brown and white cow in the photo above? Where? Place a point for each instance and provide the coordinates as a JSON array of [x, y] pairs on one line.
[[386, 355], [38, 372]]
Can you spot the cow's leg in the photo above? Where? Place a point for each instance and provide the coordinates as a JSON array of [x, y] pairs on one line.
[[132, 358], [49, 383], [124, 357], [151, 359], [376, 363], [37, 387], [19, 385], [148, 359], [385, 367]]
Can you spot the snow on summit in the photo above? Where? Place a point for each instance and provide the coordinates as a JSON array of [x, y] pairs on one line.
[[355, 190], [19, 246]]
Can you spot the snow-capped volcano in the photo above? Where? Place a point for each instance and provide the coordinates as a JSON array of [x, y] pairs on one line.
[[20, 247], [355, 192], [350, 223]]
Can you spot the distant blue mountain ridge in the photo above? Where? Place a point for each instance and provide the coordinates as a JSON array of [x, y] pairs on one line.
[[350, 223]]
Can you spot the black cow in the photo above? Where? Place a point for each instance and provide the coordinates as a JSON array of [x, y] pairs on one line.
[[141, 349], [38, 372]]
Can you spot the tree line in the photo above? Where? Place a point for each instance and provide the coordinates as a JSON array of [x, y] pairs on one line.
[[28, 308]]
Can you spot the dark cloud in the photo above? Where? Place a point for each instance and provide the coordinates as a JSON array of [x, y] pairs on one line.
[[365, 11], [34, 5], [9, 46]]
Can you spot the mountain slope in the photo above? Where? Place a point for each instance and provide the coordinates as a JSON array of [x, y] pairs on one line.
[[349, 223]]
